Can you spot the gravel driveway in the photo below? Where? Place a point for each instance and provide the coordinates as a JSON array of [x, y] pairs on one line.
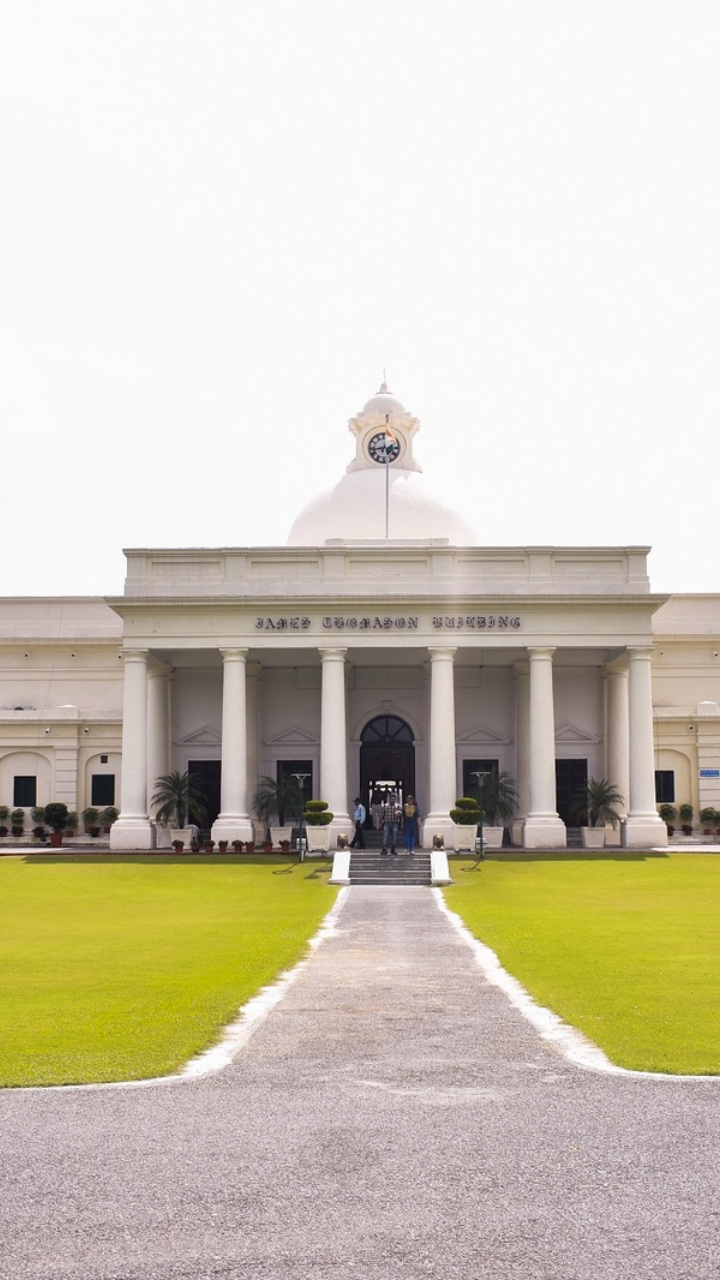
[[393, 1117]]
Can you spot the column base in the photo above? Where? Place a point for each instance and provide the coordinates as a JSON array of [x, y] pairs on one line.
[[232, 827], [133, 833], [544, 833], [644, 832], [438, 824]]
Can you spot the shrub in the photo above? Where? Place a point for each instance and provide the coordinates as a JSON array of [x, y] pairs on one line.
[[56, 816], [466, 812], [316, 813]]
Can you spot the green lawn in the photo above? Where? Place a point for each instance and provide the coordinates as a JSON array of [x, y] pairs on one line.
[[123, 968], [625, 947]]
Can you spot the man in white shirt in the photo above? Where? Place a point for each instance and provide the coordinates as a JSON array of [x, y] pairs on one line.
[[359, 816]]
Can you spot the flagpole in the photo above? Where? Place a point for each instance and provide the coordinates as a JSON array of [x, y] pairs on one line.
[[387, 477]]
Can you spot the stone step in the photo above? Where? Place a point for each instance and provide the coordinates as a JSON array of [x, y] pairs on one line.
[[371, 867]]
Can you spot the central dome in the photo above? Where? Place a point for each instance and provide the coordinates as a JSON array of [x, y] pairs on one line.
[[377, 499], [355, 511]]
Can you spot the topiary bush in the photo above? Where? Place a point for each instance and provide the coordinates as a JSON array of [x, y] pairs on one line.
[[56, 816], [316, 813], [466, 812]]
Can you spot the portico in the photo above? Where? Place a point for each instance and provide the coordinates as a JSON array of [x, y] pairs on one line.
[[262, 657]]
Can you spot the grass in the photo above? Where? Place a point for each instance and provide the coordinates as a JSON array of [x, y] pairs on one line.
[[124, 968], [624, 947]]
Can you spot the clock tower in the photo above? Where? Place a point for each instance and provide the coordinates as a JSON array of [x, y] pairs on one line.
[[383, 433]]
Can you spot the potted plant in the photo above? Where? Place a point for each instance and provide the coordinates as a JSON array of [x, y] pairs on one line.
[[4, 818], [282, 798], [708, 817], [466, 816], [249, 846], [668, 813], [194, 845], [685, 812], [223, 846], [237, 846], [209, 846], [317, 819], [596, 802], [91, 820], [73, 823], [17, 822], [37, 813], [56, 816], [176, 796], [285, 846], [499, 802], [178, 845], [108, 816]]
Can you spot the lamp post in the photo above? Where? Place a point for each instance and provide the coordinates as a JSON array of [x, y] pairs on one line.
[[481, 783], [301, 779]]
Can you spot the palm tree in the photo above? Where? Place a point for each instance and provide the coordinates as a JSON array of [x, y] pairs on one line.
[[177, 795], [596, 801], [499, 798], [283, 797]]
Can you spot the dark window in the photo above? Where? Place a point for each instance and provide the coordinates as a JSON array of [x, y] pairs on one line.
[[387, 729], [103, 759], [286, 768], [665, 786], [24, 792], [102, 789], [471, 784]]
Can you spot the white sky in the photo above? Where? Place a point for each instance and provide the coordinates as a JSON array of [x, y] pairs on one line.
[[219, 220]]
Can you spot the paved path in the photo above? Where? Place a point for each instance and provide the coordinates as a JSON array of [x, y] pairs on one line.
[[393, 1117]]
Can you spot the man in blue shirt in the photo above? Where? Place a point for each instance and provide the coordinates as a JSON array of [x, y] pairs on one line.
[[359, 816]]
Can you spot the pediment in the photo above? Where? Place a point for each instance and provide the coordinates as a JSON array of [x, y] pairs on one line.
[[293, 737], [571, 733], [480, 733], [205, 737]]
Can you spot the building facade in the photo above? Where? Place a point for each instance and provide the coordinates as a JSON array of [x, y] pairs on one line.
[[381, 646]]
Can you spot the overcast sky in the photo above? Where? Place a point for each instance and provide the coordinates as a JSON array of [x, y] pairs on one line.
[[220, 220]]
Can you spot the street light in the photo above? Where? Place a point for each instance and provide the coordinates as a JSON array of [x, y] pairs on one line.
[[481, 783], [301, 779]]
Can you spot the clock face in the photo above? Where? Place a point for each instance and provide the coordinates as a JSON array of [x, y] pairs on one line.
[[382, 449]]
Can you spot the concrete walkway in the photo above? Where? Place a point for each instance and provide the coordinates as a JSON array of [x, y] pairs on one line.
[[393, 1117]]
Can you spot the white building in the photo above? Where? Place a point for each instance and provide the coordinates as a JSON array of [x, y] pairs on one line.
[[380, 644]]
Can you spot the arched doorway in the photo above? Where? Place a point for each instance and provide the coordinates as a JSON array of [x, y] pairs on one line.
[[387, 758]]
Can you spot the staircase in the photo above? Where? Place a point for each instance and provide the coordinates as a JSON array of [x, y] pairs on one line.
[[368, 866]]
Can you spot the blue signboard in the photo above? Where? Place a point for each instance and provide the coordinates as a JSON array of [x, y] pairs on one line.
[[710, 773]]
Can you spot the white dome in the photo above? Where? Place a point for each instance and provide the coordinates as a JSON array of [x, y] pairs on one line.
[[355, 511], [383, 402]]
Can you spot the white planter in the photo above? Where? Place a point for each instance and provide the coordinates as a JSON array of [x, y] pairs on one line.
[[593, 837], [464, 837], [493, 837], [278, 834], [318, 839]]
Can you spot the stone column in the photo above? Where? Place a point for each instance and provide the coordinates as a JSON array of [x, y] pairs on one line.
[[617, 738], [441, 748], [233, 821], [522, 748], [133, 829], [333, 742], [158, 739], [543, 828], [643, 827]]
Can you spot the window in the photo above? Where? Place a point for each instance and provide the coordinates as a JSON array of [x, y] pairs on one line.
[[664, 786], [24, 792], [471, 784], [286, 768], [102, 789]]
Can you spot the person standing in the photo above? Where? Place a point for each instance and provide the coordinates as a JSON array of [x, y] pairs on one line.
[[411, 813], [375, 806], [390, 816], [359, 816]]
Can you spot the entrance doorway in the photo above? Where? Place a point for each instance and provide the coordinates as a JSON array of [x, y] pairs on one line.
[[570, 776], [387, 760], [207, 774]]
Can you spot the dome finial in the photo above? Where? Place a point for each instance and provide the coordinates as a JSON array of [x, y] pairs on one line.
[[383, 388]]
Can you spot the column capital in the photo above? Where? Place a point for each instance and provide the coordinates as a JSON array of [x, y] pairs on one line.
[[616, 666], [135, 655], [233, 655], [541, 651], [332, 653], [636, 652], [442, 653]]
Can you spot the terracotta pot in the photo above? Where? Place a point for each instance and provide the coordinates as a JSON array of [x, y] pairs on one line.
[[56, 839]]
